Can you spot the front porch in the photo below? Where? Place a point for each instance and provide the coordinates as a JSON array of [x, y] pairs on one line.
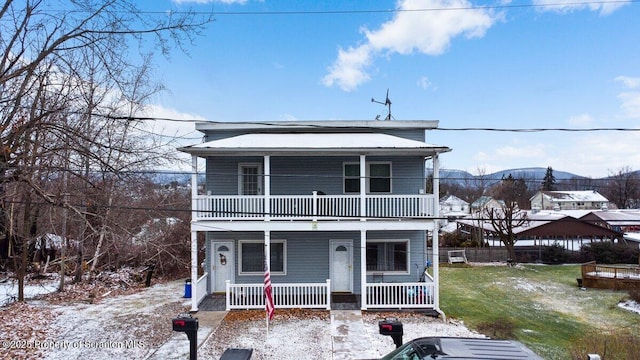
[[400, 296]]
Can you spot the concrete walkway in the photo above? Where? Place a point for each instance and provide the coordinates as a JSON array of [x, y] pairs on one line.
[[348, 336], [349, 339]]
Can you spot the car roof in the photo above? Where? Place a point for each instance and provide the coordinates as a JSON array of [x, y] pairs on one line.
[[472, 348]]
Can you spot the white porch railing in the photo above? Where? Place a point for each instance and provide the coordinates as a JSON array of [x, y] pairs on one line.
[[417, 295], [201, 287], [299, 207], [303, 295]]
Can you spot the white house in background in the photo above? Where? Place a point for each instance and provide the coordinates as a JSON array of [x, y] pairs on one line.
[[486, 202], [329, 206], [453, 206], [568, 200]]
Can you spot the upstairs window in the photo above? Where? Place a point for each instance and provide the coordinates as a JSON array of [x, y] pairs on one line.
[[378, 177]]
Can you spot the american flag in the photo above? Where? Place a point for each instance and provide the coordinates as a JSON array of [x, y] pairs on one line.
[[268, 292]]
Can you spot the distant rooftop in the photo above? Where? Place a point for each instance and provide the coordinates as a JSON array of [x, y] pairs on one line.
[[569, 196]]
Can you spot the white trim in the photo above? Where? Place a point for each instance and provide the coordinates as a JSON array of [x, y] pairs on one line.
[[254, 273], [367, 176], [407, 258], [212, 270], [260, 175], [349, 245]]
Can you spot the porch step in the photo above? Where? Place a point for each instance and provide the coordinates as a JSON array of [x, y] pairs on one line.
[[213, 302], [340, 301]]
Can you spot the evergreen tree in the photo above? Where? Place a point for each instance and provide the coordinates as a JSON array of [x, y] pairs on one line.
[[549, 181]]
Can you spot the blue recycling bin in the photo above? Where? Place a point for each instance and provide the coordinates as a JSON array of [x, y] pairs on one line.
[[187, 288]]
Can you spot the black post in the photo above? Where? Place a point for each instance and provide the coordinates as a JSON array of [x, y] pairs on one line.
[[193, 344], [189, 325]]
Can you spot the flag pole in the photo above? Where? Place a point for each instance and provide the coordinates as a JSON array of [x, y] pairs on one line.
[[269, 305]]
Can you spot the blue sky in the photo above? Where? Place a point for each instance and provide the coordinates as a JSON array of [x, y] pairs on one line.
[[468, 64]]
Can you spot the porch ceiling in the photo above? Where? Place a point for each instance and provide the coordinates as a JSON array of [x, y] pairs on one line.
[[312, 144]]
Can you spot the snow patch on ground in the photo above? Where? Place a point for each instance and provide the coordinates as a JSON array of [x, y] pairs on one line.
[[9, 289], [630, 305]]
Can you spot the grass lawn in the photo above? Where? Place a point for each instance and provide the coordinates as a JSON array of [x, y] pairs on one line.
[[542, 305]]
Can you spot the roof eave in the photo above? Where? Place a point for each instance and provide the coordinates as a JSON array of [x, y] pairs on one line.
[[311, 152]]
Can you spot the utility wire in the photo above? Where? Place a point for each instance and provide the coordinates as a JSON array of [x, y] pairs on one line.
[[392, 11]]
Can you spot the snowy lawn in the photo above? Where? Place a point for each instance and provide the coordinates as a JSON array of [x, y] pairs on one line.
[[97, 322]]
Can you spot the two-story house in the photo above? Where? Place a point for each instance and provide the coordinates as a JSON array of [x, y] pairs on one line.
[[327, 206]]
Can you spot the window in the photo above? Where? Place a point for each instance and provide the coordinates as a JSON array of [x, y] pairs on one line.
[[388, 256], [351, 178], [252, 257], [378, 177]]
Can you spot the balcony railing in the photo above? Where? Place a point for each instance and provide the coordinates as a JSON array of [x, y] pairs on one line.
[[305, 207]]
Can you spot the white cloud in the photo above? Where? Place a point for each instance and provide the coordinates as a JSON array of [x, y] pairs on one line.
[[630, 104], [411, 30], [630, 99], [521, 152], [629, 82], [177, 130], [348, 71], [583, 119], [567, 6], [178, 127], [425, 83]]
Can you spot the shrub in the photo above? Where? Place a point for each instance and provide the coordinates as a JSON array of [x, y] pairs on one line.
[[634, 294], [609, 253], [554, 254]]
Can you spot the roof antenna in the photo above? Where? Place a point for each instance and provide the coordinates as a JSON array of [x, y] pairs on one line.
[[386, 103]]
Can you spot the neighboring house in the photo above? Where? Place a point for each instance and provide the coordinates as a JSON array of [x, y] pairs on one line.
[[486, 203], [330, 206], [568, 200], [453, 206]]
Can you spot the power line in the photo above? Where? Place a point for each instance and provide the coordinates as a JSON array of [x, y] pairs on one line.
[[528, 130], [390, 11], [275, 215]]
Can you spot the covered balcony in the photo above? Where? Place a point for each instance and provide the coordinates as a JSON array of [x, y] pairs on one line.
[[312, 207]]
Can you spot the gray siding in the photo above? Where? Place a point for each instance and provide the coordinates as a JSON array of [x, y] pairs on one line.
[[303, 175], [308, 255]]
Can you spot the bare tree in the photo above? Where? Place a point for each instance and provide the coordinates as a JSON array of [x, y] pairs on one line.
[[623, 188], [509, 216], [70, 88]]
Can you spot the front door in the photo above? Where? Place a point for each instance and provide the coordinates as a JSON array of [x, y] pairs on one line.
[[341, 265], [250, 179], [222, 265]]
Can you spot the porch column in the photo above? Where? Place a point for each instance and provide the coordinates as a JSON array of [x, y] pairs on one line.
[[267, 188], [435, 239], [267, 249], [363, 269], [194, 236], [363, 187]]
